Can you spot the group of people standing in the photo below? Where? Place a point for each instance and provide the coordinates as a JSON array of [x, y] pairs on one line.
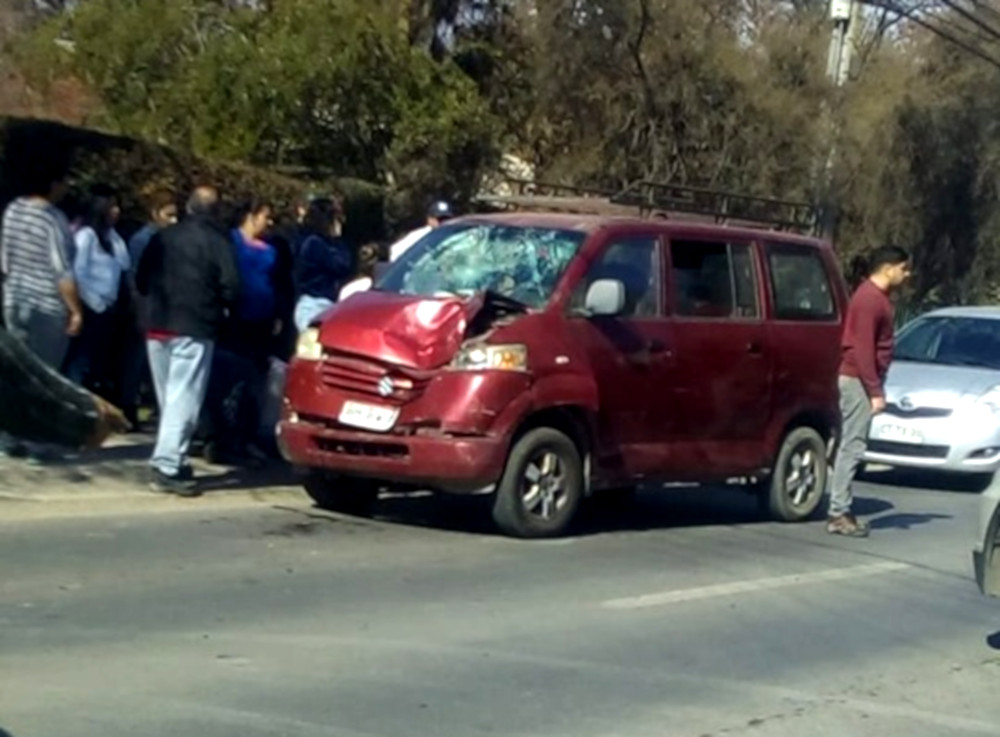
[[201, 306]]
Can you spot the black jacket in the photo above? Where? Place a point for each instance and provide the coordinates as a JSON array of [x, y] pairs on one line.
[[189, 275]]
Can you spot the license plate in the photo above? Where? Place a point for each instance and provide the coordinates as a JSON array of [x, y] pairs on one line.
[[900, 434], [368, 416]]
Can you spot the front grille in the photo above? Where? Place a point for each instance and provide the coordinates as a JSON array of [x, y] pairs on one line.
[[360, 375], [884, 447], [918, 413], [396, 451], [924, 413]]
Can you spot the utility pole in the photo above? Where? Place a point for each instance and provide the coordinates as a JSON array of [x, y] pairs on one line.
[[838, 64], [845, 16]]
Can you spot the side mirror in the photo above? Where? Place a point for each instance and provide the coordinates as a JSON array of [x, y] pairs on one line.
[[605, 298], [380, 268]]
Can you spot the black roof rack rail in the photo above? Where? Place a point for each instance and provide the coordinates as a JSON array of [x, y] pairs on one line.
[[661, 200]]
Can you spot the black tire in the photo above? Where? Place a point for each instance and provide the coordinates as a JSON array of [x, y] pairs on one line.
[[798, 480], [556, 496], [341, 493]]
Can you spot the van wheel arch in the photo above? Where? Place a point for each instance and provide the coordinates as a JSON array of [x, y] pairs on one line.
[[576, 422], [821, 422]]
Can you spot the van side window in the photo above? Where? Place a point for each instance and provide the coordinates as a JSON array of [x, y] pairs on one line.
[[800, 285], [714, 280], [636, 263]]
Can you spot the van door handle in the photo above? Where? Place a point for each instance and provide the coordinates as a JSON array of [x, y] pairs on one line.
[[656, 346], [754, 348]]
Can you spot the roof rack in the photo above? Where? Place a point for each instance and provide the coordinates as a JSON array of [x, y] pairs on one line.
[[662, 200]]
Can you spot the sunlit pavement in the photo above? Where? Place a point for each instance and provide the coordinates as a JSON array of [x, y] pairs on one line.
[[251, 613]]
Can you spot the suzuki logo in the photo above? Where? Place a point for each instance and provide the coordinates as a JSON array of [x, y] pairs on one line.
[[906, 404], [385, 386]]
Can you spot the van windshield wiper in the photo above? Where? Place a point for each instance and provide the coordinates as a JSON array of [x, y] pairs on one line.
[[504, 303]]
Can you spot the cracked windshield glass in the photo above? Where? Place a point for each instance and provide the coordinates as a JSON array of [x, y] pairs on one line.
[[520, 263]]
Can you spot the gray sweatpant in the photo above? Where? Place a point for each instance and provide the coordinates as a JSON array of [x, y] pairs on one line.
[[180, 368], [855, 420]]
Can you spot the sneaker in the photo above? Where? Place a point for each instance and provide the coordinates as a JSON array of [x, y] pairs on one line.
[[179, 485], [847, 525]]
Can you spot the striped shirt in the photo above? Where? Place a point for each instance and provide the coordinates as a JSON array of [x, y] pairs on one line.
[[36, 253]]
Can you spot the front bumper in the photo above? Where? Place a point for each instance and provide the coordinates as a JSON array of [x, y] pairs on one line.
[[986, 551], [451, 433], [965, 442], [447, 463]]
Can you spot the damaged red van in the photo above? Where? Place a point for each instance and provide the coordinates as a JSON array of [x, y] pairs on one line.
[[545, 358]]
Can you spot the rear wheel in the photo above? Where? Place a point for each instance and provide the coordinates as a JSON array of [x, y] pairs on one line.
[[541, 487], [346, 494], [798, 481]]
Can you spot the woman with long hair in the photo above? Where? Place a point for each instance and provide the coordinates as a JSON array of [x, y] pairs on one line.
[[100, 266]]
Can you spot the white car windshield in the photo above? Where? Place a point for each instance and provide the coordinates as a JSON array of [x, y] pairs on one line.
[[951, 341], [521, 263]]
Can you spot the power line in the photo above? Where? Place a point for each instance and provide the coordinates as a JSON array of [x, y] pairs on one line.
[[915, 15]]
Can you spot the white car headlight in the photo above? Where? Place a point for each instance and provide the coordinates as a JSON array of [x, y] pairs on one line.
[[308, 347], [492, 358], [990, 400]]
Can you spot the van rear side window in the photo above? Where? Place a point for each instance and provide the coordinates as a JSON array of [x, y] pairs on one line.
[[800, 284], [714, 280]]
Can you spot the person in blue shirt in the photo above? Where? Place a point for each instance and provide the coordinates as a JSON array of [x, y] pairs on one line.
[[241, 364]]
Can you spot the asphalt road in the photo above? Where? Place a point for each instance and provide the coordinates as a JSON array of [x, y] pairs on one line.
[[686, 616]]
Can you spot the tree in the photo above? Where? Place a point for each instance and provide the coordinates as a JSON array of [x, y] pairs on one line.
[[335, 86]]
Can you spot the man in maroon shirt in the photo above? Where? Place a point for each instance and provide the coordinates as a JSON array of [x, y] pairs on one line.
[[866, 352]]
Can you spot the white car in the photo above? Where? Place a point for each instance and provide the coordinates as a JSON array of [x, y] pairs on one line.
[[943, 395]]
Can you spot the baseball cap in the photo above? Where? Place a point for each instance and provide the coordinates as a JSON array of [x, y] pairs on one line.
[[440, 210]]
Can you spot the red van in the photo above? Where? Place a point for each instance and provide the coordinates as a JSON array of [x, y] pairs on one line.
[[544, 358]]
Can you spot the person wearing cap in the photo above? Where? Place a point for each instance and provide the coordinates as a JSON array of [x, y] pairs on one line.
[[438, 213]]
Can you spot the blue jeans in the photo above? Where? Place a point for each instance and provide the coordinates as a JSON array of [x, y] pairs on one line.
[[45, 335], [180, 368], [309, 308]]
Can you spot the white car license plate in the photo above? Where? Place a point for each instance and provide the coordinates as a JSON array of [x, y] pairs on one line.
[[900, 434], [368, 416]]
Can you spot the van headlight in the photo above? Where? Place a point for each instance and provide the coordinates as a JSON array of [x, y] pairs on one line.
[[491, 358], [308, 347]]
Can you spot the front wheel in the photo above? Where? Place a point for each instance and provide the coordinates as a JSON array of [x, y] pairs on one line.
[[541, 487], [341, 493], [798, 480]]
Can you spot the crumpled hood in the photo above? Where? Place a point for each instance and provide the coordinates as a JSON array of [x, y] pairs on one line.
[[413, 331]]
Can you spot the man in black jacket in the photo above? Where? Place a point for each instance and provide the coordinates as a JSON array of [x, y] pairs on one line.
[[190, 277]]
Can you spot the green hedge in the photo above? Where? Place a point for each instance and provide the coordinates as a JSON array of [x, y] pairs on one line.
[[135, 167]]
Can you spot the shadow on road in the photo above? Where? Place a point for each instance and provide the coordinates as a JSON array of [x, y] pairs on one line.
[[927, 480], [993, 641], [650, 509], [905, 521]]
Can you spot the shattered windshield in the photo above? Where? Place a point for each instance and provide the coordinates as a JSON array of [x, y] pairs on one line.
[[523, 264]]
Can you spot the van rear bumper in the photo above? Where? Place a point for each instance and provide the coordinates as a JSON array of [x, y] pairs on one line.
[[456, 464]]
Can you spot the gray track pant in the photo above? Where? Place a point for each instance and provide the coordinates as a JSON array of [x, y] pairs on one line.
[[855, 420]]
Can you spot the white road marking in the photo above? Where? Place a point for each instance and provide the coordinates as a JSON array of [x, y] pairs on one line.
[[760, 584]]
